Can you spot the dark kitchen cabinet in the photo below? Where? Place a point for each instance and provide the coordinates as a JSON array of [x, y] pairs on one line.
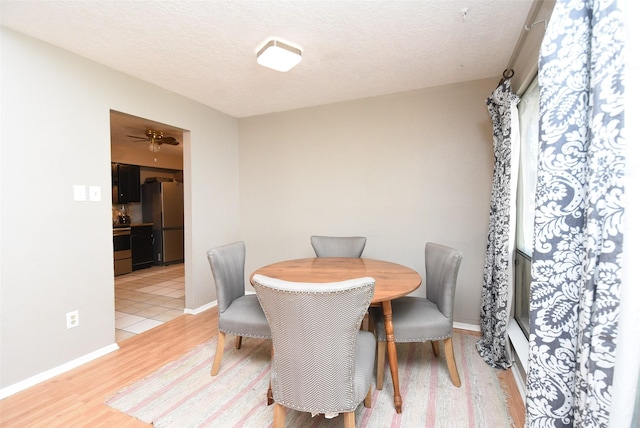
[[125, 180], [141, 246]]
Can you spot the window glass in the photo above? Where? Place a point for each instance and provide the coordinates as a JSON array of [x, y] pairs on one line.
[[528, 109]]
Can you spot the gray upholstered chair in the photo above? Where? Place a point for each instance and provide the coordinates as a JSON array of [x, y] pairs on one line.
[[322, 362], [338, 246], [430, 318], [239, 313]]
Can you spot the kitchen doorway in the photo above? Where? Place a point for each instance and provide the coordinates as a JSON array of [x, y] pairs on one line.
[[152, 291]]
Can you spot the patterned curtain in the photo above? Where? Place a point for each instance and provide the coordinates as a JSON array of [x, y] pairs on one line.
[[497, 280], [576, 263]]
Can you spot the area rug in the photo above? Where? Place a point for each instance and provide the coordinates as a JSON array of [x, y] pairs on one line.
[[183, 394]]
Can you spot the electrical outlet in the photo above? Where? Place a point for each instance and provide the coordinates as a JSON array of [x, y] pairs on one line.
[[73, 319]]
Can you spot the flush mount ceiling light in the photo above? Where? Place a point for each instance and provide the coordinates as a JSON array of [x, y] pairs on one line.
[[279, 56]]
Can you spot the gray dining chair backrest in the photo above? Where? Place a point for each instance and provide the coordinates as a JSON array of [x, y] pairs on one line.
[[322, 361], [227, 266], [338, 246], [239, 313], [442, 265], [429, 318]]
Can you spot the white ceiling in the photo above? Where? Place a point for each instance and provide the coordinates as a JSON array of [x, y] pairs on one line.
[[206, 50]]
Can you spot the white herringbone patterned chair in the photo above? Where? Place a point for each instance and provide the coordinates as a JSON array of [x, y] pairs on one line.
[[322, 362]]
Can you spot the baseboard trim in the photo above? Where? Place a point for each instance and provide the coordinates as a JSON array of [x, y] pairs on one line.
[[465, 326], [520, 344], [209, 305], [202, 308], [34, 380], [520, 383]]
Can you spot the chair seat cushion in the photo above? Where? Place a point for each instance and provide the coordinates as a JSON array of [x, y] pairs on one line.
[[415, 319], [245, 317]]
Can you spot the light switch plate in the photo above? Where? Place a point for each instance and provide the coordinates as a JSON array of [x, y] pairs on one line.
[[79, 192], [95, 195]]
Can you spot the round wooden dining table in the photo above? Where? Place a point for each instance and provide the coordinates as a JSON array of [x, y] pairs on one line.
[[392, 281]]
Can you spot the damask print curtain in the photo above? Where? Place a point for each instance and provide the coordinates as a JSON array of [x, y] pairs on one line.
[[576, 262], [497, 279]]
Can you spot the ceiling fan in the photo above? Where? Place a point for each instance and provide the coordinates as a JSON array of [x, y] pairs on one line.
[[156, 139]]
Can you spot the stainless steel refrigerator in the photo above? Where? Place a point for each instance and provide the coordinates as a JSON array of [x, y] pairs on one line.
[[163, 205]]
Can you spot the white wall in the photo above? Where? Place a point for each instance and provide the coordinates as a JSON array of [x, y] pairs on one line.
[[56, 254], [401, 170]]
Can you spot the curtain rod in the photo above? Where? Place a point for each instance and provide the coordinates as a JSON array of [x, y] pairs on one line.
[[533, 12]]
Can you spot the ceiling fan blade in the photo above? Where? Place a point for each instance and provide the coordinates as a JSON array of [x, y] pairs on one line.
[[169, 140], [137, 137]]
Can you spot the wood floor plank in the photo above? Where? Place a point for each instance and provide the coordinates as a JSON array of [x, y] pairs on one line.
[[514, 399], [76, 398]]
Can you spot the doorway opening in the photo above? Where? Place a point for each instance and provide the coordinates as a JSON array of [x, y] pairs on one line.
[[149, 201]]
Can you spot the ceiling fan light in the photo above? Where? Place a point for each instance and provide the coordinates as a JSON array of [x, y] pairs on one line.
[[279, 56], [154, 146]]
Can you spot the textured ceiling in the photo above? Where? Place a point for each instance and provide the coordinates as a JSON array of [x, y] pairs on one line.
[[206, 50]]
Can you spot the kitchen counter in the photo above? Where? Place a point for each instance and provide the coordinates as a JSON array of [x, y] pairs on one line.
[[118, 225]]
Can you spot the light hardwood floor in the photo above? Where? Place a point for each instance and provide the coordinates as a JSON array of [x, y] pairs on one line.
[[76, 398], [514, 399]]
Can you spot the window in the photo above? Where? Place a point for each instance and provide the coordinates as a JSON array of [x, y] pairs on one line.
[[522, 285], [528, 109]]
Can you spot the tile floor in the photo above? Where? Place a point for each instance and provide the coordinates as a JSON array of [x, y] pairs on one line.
[[147, 298]]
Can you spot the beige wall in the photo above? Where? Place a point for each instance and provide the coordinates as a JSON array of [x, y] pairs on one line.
[[56, 254], [401, 170]]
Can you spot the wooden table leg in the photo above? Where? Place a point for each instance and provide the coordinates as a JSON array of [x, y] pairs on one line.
[[391, 355]]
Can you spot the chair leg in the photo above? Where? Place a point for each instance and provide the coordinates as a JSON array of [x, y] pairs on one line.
[[270, 391], [349, 420], [367, 399], [269, 395], [436, 348], [217, 360], [451, 361], [382, 350], [238, 342], [279, 415]]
